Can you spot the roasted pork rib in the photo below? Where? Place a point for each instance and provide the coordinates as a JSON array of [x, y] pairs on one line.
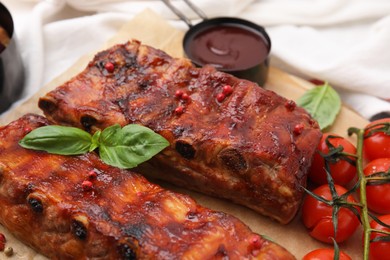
[[122, 216], [229, 137]]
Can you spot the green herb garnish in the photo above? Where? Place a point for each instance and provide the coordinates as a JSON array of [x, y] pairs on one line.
[[120, 147], [323, 103]]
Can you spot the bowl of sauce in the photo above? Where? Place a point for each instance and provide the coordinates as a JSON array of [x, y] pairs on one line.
[[236, 46], [11, 67]]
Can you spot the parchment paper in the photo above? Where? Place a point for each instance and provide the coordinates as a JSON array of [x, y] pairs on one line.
[[154, 31]]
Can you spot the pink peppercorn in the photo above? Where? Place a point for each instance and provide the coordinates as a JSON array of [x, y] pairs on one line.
[[179, 93], [290, 105], [185, 97], [92, 175], [109, 66], [227, 90], [221, 97], [27, 129], [298, 129], [179, 110], [87, 185], [255, 241], [255, 244]]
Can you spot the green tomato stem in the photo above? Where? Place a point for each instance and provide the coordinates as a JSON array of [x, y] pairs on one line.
[[380, 231], [353, 204], [349, 154], [363, 195], [377, 178]]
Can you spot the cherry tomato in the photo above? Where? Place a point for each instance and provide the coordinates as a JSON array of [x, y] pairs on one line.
[[341, 170], [379, 250], [325, 254], [377, 145], [317, 216], [378, 195]]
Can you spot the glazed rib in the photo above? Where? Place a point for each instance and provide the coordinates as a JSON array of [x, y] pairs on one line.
[[252, 147], [123, 216]]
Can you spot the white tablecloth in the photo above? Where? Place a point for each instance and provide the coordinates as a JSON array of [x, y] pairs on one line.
[[345, 42]]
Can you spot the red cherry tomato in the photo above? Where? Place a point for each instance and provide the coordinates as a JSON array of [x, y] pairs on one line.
[[341, 170], [317, 216], [379, 250], [377, 145], [378, 196], [325, 254]]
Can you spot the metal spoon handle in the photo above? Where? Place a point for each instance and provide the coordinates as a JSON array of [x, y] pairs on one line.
[[196, 9], [182, 16]]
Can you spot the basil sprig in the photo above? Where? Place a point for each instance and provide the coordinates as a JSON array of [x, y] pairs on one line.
[[323, 103], [120, 147]]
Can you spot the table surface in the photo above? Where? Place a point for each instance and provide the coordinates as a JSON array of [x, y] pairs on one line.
[[154, 32]]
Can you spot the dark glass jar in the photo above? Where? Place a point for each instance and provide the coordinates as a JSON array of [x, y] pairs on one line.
[[11, 66]]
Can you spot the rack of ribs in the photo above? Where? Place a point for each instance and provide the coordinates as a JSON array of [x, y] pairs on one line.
[[229, 137], [122, 216]]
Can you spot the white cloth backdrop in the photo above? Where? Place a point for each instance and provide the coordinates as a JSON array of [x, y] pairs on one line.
[[346, 42]]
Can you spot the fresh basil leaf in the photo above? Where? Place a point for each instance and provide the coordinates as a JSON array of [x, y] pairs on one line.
[[95, 141], [111, 135], [129, 146], [58, 140], [323, 103], [121, 147]]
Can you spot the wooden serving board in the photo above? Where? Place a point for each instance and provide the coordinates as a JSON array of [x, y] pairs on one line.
[[155, 31]]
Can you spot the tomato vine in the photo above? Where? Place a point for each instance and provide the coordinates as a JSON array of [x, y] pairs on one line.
[[362, 210]]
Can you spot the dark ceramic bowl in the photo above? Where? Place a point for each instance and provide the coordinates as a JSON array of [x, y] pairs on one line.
[[11, 67], [236, 46]]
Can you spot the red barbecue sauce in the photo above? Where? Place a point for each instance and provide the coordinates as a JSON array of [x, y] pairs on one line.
[[228, 47]]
